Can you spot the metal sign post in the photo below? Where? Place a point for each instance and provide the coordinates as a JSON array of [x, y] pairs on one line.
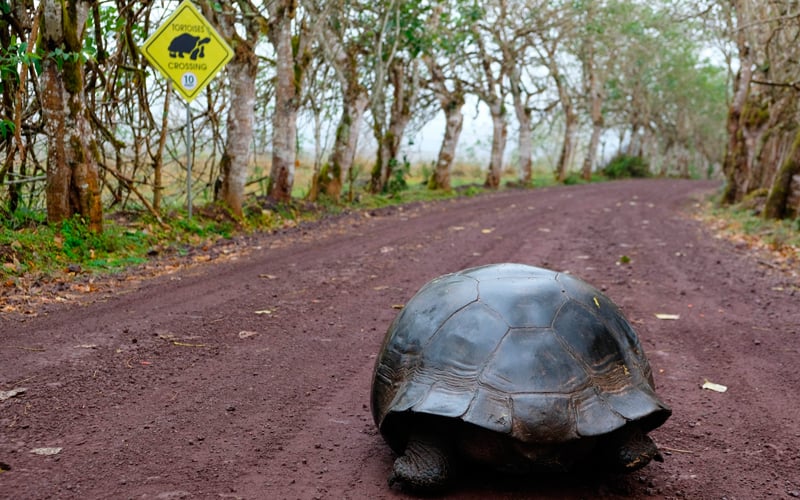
[[189, 149], [187, 50]]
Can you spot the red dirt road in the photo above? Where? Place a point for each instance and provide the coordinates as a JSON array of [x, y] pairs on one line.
[[250, 378]]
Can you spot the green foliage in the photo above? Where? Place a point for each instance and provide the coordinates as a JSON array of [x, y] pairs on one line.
[[6, 129], [13, 56], [623, 166], [574, 178], [397, 180], [61, 57], [473, 190]]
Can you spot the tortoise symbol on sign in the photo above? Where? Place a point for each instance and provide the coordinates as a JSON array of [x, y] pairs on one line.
[[188, 44]]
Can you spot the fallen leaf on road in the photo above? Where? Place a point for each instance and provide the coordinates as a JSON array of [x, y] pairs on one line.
[[711, 386], [46, 451], [488, 230], [185, 344], [264, 311], [13, 392], [245, 334], [666, 316]]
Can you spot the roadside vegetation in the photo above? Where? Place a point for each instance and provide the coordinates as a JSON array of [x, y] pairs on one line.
[[33, 250]]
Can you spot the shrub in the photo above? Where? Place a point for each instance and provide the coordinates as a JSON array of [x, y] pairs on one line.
[[624, 166]]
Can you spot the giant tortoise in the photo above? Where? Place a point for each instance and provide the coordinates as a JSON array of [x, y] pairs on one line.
[[514, 367]]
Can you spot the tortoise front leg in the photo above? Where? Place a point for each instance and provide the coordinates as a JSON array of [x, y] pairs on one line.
[[635, 449], [425, 466]]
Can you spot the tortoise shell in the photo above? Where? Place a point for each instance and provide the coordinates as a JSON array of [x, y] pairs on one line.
[[524, 352]]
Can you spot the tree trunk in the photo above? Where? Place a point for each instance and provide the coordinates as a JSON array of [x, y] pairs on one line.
[[73, 185], [735, 163], [158, 161], [567, 146], [454, 121], [776, 207], [451, 103], [404, 95], [499, 137], [344, 60], [331, 178], [284, 118], [591, 153], [242, 72], [596, 97], [570, 119], [523, 114]]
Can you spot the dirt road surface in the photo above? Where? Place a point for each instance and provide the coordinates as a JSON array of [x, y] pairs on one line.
[[248, 377]]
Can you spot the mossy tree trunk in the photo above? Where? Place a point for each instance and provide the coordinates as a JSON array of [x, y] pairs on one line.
[[451, 102], [72, 172], [331, 177], [735, 163], [596, 100], [241, 71], [522, 109], [776, 207], [454, 121], [404, 78], [570, 117], [499, 139], [290, 54]]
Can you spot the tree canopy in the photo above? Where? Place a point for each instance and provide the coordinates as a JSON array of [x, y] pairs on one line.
[[691, 87]]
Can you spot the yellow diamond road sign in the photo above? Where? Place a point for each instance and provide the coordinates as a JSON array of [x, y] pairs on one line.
[[187, 50]]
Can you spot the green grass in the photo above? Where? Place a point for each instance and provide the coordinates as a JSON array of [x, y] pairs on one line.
[[743, 224], [776, 234], [46, 249]]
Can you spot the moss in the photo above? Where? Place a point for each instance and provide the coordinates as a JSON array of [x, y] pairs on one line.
[[776, 207], [755, 115]]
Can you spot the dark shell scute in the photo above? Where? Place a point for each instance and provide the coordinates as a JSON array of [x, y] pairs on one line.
[[508, 270], [588, 340], [449, 398], [540, 418], [491, 409], [464, 342], [432, 306], [551, 370], [523, 301], [594, 416]]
